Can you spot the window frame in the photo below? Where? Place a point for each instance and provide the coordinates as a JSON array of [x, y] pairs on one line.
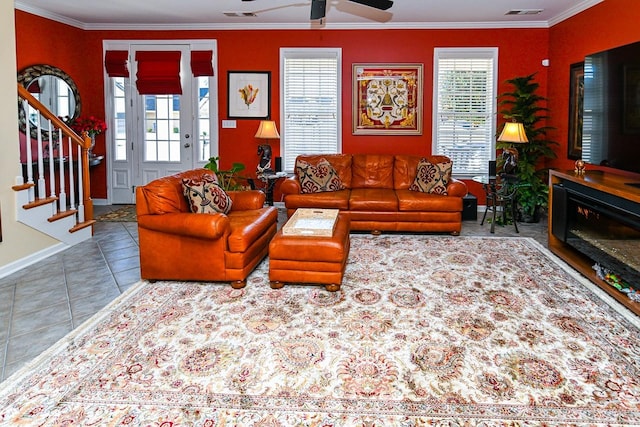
[[288, 164], [467, 53]]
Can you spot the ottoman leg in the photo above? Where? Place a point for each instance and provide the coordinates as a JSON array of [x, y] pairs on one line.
[[332, 287], [276, 284]]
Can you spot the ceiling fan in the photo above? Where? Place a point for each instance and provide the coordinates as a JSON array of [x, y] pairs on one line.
[[319, 7]]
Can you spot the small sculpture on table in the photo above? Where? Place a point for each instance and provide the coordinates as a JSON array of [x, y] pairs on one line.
[[264, 166]]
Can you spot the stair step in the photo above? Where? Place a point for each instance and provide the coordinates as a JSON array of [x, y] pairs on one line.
[[82, 225], [23, 186], [40, 202], [61, 215]]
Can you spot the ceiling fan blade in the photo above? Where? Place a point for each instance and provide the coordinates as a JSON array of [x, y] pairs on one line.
[[378, 4], [318, 9]]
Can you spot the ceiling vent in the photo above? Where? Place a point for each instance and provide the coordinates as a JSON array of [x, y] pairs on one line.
[[524, 12], [239, 14]]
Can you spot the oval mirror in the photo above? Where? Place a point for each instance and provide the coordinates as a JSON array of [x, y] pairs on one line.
[[53, 88]]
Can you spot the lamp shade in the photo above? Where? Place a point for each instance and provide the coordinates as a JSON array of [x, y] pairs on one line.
[[267, 130], [513, 132]]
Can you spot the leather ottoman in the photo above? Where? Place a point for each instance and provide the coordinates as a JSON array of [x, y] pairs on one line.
[[310, 259]]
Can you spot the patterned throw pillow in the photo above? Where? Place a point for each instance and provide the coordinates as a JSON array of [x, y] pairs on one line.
[[206, 196], [432, 178], [317, 179]]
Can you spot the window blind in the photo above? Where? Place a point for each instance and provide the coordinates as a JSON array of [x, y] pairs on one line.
[[464, 110], [310, 104], [116, 63]]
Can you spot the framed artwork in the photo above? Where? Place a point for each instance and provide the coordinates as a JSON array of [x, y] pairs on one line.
[[631, 91], [387, 99], [576, 102], [249, 94]]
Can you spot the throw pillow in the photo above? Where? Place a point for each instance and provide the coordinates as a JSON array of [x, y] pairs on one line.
[[432, 177], [319, 178], [206, 196]]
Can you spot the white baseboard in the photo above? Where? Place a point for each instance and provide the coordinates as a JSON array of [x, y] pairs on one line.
[[31, 259]]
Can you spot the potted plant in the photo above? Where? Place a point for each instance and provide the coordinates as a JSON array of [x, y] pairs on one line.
[[524, 105], [228, 179]]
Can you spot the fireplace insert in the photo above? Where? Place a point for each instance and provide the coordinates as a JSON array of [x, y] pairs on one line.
[[601, 226]]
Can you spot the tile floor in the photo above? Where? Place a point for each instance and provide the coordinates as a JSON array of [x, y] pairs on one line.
[[43, 303]]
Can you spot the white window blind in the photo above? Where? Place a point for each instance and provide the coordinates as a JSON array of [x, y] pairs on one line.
[[465, 107], [310, 113]]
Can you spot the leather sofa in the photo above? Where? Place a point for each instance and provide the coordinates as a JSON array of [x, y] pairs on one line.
[[176, 244], [377, 196]]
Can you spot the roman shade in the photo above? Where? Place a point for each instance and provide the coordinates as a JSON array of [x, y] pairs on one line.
[[115, 62], [158, 73], [201, 64]]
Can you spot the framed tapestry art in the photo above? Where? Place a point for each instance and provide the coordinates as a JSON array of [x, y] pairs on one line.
[[387, 99], [576, 103], [249, 94]]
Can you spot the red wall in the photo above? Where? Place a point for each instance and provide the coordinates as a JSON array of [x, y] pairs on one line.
[[521, 51], [609, 24]]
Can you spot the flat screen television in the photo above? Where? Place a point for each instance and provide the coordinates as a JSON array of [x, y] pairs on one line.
[[611, 108]]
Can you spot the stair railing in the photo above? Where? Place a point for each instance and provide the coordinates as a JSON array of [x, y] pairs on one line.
[[60, 134]]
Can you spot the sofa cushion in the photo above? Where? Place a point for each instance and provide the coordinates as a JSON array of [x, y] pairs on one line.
[[340, 162], [432, 177], [326, 200], [372, 171], [417, 201], [373, 199], [206, 196], [319, 178]]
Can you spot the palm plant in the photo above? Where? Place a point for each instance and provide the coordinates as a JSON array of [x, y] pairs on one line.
[[523, 105]]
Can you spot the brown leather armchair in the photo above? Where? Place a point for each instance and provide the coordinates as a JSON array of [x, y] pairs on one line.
[[176, 244]]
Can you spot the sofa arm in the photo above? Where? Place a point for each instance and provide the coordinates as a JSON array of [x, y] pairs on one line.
[[457, 188], [202, 226], [290, 185], [246, 200]]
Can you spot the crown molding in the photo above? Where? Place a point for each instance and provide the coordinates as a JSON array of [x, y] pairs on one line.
[[311, 25], [573, 11]]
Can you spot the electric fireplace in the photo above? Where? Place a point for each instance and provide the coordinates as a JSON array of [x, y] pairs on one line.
[[603, 227]]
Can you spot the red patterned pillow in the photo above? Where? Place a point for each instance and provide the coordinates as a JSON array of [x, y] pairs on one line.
[[319, 178], [432, 177], [206, 195]]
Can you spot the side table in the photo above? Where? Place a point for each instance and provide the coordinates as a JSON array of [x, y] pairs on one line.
[[501, 193], [270, 179]]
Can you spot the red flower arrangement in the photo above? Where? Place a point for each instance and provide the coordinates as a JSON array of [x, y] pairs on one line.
[[92, 125]]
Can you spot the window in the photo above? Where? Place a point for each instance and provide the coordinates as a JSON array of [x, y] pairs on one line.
[[465, 107], [310, 109]]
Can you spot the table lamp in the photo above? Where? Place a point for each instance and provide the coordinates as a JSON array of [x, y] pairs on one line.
[[267, 130], [512, 132]]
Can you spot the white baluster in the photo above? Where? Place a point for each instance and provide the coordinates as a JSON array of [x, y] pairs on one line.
[[80, 189], [62, 205], [72, 184], [52, 164], [41, 189], [27, 135]]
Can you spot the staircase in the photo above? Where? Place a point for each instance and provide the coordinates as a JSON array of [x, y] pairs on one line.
[[53, 192]]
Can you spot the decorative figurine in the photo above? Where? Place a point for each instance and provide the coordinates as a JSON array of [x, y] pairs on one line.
[[580, 167]]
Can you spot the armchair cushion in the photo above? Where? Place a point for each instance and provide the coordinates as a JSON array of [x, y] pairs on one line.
[[317, 179], [206, 196], [432, 177]]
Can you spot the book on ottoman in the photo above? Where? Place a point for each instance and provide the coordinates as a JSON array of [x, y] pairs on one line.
[[311, 222]]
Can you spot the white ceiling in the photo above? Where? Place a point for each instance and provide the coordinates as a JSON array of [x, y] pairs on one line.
[[285, 14]]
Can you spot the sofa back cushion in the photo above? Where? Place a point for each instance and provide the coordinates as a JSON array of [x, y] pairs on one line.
[[165, 195], [340, 162], [406, 166], [372, 171]]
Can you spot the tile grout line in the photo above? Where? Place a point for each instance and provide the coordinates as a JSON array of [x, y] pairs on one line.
[[6, 341]]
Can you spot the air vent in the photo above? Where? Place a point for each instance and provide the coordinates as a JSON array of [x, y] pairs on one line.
[[524, 12], [239, 14]]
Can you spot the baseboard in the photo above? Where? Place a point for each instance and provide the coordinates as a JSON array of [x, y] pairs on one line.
[[31, 259]]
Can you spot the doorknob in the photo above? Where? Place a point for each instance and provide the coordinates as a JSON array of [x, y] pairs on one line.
[[187, 145]]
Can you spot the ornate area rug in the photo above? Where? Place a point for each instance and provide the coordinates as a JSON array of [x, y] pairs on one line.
[[455, 331], [127, 213]]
